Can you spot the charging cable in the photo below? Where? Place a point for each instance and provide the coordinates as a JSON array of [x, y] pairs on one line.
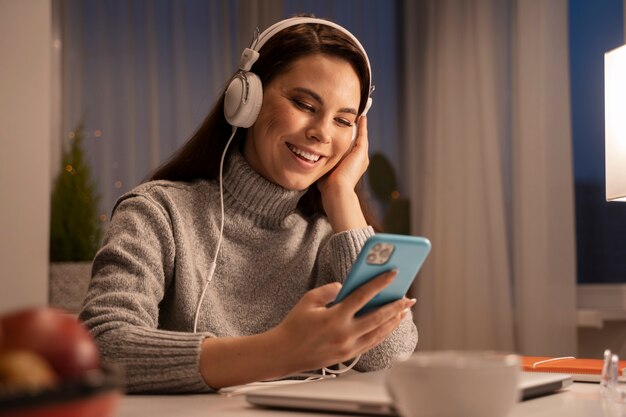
[[305, 377], [342, 370]]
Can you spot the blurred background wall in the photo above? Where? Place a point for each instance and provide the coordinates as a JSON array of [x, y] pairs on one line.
[[25, 117]]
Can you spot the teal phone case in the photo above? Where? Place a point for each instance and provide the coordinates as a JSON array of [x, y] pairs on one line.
[[406, 254]]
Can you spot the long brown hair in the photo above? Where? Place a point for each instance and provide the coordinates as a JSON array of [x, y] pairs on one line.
[[200, 156]]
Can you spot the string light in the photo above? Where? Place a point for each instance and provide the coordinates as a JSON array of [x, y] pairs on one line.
[[395, 195], [118, 184], [97, 133], [71, 135], [69, 168], [103, 217]]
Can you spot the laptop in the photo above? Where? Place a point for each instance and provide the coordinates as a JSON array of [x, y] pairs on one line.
[[365, 393]]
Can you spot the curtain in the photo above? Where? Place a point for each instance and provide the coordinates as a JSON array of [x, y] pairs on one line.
[[488, 155], [542, 180], [142, 75]]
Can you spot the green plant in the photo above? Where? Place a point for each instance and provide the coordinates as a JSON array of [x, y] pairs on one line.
[[382, 181], [75, 229]]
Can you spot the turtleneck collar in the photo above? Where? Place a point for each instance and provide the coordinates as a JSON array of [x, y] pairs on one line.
[[253, 193]]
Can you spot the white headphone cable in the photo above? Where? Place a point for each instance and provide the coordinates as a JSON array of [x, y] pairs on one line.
[[213, 264], [219, 241]]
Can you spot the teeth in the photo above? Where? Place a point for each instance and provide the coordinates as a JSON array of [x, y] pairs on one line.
[[310, 156]]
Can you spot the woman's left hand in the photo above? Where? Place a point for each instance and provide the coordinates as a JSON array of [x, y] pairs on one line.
[[337, 187], [353, 164]]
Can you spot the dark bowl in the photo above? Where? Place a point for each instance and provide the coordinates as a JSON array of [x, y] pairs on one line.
[[95, 395]]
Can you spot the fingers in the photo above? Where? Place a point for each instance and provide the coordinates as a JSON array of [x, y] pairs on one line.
[[362, 129], [324, 294], [380, 333], [380, 316], [360, 143], [382, 326], [359, 297]]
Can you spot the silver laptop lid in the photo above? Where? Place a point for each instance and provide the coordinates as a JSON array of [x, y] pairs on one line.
[[365, 393]]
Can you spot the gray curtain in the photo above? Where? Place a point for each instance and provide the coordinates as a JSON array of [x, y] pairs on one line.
[[488, 154]]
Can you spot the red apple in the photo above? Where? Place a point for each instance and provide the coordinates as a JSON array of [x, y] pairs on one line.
[[55, 335]]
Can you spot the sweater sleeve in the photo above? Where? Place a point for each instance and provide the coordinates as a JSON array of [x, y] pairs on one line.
[[336, 258], [121, 310], [339, 252]]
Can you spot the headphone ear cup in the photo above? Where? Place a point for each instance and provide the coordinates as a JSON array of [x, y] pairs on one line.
[[243, 99]]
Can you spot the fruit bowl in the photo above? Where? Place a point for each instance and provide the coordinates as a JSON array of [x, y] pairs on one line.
[[96, 394], [50, 366]]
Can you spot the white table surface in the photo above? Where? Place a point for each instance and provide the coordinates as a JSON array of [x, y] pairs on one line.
[[577, 400]]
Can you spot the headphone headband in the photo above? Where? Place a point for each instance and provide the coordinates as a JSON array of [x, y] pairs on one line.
[[258, 43]]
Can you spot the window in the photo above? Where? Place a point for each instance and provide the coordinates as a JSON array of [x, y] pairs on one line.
[[595, 28]]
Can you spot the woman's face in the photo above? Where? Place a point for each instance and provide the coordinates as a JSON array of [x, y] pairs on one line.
[[306, 122]]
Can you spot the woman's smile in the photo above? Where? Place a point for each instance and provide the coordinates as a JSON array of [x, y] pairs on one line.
[[304, 155]]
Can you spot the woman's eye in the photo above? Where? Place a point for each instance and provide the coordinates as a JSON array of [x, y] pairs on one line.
[[344, 122], [303, 106]]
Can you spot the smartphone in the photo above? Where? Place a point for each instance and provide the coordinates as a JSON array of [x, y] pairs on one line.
[[381, 253]]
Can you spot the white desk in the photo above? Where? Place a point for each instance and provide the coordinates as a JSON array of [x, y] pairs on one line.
[[578, 400]]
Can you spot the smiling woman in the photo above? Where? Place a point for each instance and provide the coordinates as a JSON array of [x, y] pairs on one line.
[[249, 243]]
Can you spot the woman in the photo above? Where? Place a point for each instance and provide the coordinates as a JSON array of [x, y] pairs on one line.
[[186, 306]]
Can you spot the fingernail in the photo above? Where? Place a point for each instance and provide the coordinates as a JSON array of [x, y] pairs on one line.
[[409, 303]]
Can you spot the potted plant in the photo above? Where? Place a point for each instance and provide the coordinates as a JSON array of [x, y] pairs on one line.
[[75, 229]]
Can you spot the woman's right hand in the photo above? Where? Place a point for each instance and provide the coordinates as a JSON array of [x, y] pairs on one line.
[[313, 336]]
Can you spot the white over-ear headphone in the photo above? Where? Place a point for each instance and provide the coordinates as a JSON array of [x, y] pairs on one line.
[[244, 94]]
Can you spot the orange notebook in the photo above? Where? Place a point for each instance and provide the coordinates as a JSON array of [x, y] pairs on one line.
[[588, 370]]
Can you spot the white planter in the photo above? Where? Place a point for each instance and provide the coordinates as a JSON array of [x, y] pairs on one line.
[[69, 282]]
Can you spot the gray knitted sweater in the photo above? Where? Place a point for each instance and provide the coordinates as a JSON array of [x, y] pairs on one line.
[[148, 276]]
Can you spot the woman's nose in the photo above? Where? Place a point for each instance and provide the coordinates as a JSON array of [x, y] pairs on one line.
[[320, 130]]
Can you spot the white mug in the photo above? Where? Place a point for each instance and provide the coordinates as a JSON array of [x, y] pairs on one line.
[[455, 383]]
